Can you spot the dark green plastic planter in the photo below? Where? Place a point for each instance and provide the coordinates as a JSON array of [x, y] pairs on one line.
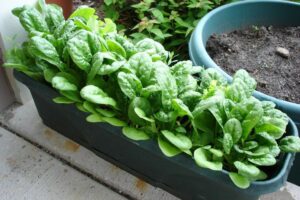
[[178, 175], [240, 15]]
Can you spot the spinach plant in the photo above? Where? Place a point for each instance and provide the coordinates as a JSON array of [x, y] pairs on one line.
[[136, 86]]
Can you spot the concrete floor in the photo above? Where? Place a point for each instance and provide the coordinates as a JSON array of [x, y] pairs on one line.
[[38, 163]]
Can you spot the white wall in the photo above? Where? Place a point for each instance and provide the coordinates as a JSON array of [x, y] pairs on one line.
[[6, 95], [10, 27]]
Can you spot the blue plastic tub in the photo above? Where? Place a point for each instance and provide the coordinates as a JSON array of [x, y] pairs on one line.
[[240, 15]]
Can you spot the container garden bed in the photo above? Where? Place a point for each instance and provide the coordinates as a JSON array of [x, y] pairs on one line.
[[197, 118], [242, 15], [178, 175]]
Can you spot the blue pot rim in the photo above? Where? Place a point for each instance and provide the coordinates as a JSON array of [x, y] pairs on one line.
[[201, 50]]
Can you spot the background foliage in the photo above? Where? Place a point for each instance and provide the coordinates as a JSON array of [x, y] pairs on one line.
[[170, 22]]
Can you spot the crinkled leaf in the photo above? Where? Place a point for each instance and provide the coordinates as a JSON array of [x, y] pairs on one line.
[[139, 112], [49, 74], [53, 16], [62, 100], [265, 138], [239, 180], [32, 20], [209, 75], [250, 82], [80, 53], [227, 143], [204, 121], [206, 104], [165, 116], [94, 118], [249, 145], [219, 113], [265, 160], [43, 49], [108, 69], [179, 140], [135, 134], [73, 95], [147, 91], [108, 26], [63, 84], [290, 144], [273, 122], [83, 11], [106, 112], [181, 108], [114, 121], [182, 68], [114, 46], [166, 82], [90, 107], [144, 105], [130, 85], [246, 169], [216, 152], [203, 159], [168, 149], [253, 116], [97, 62], [153, 48], [274, 150], [96, 95], [259, 151], [234, 128]]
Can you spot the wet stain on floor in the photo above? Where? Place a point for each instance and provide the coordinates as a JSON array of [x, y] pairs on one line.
[[114, 168], [71, 146], [141, 185], [49, 133]]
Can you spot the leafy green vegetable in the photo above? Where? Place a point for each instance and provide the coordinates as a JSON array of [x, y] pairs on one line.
[[94, 118], [167, 148], [204, 159], [290, 144], [130, 85], [137, 86], [265, 160], [179, 140], [96, 95], [135, 134], [63, 100], [245, 169], [234, 129], [63, 84], [239, 180]]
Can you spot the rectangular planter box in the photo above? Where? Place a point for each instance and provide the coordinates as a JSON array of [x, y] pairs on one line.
[[178, 175]]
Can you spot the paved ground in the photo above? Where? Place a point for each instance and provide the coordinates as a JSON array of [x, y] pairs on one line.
[[38, 163]]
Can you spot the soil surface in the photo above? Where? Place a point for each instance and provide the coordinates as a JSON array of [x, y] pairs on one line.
[[255, 49]]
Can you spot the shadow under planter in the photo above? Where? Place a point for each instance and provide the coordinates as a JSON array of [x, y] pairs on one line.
[[241, 15], [178, 175]]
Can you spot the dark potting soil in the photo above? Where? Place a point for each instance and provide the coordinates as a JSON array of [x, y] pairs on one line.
[[255, 50]]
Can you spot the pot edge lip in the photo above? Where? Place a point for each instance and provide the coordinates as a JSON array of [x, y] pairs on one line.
[[200, 48]]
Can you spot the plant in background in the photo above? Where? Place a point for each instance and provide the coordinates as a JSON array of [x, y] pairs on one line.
[[186, 109], [170, 22]]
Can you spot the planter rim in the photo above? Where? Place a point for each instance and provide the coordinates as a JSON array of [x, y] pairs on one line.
[[200, 49], [181, 158]]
